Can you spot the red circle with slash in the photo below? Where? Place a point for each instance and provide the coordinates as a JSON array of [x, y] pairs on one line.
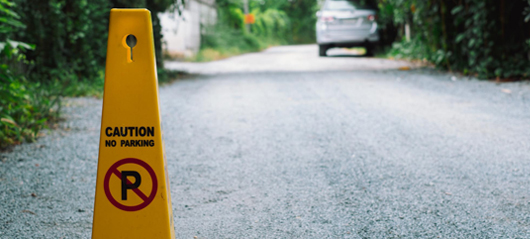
[[113, 170]]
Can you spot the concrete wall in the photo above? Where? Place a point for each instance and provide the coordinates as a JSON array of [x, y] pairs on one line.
[[182, 34]]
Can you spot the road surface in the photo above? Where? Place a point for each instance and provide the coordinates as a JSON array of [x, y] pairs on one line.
[[284, 144]]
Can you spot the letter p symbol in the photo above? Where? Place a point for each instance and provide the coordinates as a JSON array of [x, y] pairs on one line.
[[126, 184]]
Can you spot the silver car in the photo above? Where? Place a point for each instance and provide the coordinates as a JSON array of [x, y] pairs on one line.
[[346, 23]]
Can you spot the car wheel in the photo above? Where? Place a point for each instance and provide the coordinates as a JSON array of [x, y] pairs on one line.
[[369, 50], [322, 49]]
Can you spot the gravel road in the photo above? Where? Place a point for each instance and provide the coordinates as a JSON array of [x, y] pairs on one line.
[[284, 144]]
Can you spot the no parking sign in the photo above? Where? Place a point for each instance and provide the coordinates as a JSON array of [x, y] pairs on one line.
[[126, 184]]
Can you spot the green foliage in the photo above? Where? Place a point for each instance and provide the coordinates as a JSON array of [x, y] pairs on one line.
[[484, 38], [230, 14], [66, 57], [230, 37], [24, 106], [273, 25], [302, 14], [276, 22], [70, 37]]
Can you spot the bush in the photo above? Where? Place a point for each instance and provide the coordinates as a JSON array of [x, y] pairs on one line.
[[25, 107], [488, 39], [71, 38]]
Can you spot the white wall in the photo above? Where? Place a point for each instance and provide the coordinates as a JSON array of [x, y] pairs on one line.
[[182, 34]]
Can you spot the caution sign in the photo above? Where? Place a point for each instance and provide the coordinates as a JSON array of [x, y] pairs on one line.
[[132, 188]]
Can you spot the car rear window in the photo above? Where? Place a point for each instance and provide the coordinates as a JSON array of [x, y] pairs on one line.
[[346, 5]]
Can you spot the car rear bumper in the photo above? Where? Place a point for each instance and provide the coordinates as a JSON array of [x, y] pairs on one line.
[[347, 37], [348, 40]]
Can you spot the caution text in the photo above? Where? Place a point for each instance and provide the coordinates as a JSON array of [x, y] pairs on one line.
[[130, 131]]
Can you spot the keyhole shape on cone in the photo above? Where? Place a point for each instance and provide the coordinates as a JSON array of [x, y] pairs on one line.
[[131, 42]]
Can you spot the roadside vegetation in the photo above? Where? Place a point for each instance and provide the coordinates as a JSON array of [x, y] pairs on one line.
[[276, 23], [487, 39], [53, 49], [24, 106]]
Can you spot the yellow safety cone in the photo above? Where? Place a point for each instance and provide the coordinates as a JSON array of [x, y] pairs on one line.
[[132, 189]]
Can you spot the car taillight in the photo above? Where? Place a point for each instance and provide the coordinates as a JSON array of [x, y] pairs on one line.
[[327, 19], [372, 17]]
